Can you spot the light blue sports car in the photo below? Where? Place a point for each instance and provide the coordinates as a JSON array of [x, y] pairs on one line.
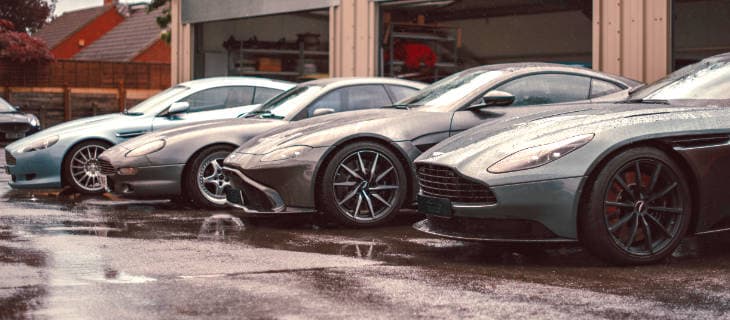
[[66, 154]]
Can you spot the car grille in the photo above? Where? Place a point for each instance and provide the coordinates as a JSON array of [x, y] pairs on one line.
[[106, 167], [14, 127], [9, 159], [242, 193], [443, 182]]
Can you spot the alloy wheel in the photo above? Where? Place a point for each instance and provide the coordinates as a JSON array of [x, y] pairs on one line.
[[643, 207], [85, 168], [211, 179], [365, 185]]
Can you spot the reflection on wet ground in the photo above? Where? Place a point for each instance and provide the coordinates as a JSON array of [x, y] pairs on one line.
[[66, 255]]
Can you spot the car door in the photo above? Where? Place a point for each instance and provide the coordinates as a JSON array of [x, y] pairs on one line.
[[533, 89], [209, 104]]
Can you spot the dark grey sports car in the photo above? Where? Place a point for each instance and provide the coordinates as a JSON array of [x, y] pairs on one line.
[[15, 124], [628, 180], [186, 161], [355, 166]]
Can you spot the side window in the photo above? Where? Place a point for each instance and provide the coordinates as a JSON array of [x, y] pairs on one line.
[[602, 88], [547, 88], [263, 94], [366, 97], [334, 100], [400, 92], [219, 98]]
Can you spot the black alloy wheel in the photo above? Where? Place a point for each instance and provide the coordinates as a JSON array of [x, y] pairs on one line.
[[364, 185], [639, 208]]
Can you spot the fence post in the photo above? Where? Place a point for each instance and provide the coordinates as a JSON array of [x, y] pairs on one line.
[[66, 102], [42, 112], [6, 94], [94, 108], [122, 96]]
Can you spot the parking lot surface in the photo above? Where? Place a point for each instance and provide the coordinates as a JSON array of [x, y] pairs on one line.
[[63, 256]]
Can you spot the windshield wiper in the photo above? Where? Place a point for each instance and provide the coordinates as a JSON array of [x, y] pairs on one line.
[[648, 101]]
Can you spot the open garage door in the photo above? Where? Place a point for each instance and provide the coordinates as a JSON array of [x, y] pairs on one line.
[[699, 29], [427, 40]]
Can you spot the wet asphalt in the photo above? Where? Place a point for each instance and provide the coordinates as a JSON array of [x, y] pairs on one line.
[[66, 256]]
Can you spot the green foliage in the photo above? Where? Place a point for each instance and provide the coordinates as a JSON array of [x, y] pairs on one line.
[[164, 19]]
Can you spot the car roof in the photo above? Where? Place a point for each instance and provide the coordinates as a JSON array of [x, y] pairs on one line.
[[244, 81], [347, 81]]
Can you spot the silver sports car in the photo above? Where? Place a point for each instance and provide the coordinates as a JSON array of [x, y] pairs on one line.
[[66, 154], [629, 180], [355, 166], [186, 161]]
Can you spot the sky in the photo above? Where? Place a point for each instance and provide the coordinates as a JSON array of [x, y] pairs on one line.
[[71, 5]]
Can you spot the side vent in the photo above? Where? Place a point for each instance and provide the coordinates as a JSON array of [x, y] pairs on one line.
[[700, 140]]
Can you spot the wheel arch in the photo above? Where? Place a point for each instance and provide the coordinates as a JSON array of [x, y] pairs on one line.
[[66, 154], [201, 149], [662, 143], [384, 141]]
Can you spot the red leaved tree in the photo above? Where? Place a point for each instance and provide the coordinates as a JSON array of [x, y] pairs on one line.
[[21, 47]]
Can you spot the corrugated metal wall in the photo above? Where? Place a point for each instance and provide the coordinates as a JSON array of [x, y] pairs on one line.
[[181, 45], [632, 37]]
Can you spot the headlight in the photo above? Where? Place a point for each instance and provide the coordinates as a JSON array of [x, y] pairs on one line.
[[539, 155], [285, 153], [33, 120], [39, 144], [146, 148]]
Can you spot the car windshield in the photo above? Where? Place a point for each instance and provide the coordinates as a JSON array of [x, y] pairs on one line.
[[705, 80], [153, 102], [451, 89], [286, 103], [5, 106]]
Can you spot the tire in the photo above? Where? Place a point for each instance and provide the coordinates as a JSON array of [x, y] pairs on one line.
[[632, 224], [347, 194], [203, 180], [80, 167]]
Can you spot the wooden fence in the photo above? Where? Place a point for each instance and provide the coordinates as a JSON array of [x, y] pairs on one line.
[[54, 105], [90, 74]]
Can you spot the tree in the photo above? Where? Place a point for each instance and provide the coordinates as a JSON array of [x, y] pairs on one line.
[[19, 46], [164, 19], [27, 15]]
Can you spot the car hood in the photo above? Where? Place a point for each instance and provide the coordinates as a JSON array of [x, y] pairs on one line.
[[206, 130], [85, 125], [13, 117], [485, 144], [322, 131]]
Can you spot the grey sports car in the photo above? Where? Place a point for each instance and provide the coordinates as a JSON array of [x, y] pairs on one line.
[[355, 166], [186, 161], [628, 180]]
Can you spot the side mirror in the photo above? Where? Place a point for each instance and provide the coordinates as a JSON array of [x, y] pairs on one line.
[[178, 107], [18, 108], [322, 111], [494, 98]]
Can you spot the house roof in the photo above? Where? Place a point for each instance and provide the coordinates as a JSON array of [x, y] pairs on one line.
[[67, 24], [127, 40]]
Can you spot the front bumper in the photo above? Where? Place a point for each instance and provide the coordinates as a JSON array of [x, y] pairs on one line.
[[255, 199], [542, 211], [149, 182], [34, 170]]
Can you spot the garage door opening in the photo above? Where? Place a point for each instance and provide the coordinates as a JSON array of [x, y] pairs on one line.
[[428, 40], [699, 30], [291, 46]]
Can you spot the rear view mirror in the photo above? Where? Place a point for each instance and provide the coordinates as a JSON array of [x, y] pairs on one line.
[[322, 111], [178, 107], [495, 98]]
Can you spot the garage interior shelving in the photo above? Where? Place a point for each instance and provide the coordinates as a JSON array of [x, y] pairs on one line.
[[444, 41], [293, 59]]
